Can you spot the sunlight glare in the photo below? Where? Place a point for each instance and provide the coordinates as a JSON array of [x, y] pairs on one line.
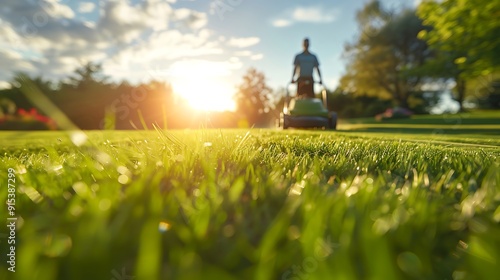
[[203, 85]]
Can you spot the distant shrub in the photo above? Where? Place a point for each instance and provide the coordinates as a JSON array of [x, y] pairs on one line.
[[26, 120], [394, 113]]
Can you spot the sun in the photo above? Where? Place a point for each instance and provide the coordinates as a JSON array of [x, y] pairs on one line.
[[203, 85], [205, 94]]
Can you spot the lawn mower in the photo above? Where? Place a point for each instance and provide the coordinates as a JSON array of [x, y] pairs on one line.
[[306, 112]]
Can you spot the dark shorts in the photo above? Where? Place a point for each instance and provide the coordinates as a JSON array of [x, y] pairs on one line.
[[305, 87]]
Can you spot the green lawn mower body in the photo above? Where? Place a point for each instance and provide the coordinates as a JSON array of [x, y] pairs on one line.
[[299, 112]]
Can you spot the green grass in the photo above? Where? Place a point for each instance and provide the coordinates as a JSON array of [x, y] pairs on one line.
[[472, 124], [258, 204]]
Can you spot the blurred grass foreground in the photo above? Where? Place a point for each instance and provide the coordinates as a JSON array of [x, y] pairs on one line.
[[236, 204]]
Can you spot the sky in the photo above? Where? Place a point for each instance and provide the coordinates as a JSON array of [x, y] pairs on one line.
[[202, 47]]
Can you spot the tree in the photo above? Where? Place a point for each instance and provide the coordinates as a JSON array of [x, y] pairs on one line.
[[88, 76], [15, 94], [468, 26], [466, 38], [253, 98], [485, 91], [383, 60]]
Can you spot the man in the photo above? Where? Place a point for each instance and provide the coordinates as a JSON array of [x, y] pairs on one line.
[[305, 63]]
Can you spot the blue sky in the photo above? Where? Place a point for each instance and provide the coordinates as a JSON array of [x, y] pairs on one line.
[[189, 43]]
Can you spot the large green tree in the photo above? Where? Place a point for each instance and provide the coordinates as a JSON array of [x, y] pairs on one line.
[[383, 60], [253, 98], [468, 27], [465, 37]]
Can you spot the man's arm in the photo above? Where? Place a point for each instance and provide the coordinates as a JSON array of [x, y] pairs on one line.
[[319, 74], [295, 69], [317, 69]]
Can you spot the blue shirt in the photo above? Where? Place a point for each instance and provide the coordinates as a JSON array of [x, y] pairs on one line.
[[306, 64]]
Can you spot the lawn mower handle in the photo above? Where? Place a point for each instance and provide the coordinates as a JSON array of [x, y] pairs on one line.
[[324, 96], [294, 82]]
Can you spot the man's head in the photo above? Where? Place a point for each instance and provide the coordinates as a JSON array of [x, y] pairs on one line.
[[305, 44]]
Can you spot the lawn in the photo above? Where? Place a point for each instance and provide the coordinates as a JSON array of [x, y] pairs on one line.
[[474, 122], [252, 204]]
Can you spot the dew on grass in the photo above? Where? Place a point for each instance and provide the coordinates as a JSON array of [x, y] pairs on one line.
[[351, 191], [57, 169], [196, 192], [462, 245], [178, 158], [123, 179], [76, 210], [308, 175], [103, 158], [331, 180], [293, 232], [98, 167], [297, 188], [78, 138], [163, 226], [122, 170], [207, 144], [21, 169], [80, 188]]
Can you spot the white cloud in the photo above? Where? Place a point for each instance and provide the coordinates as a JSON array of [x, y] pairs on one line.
[[57, 10], [257, 57], [243, 42], [281, 23], [191, 18], [243, 53], [127, 38], [86, 7], [15, 64], [311, 14], [314, 14]]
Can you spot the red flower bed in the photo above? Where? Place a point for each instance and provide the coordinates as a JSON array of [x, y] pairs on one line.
[[27, 120]]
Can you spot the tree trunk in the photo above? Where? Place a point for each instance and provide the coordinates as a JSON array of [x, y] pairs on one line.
[[403, 101], [401, 95], [461, 87]]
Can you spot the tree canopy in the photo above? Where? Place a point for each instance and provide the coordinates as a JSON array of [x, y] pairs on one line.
[[469, 29], [383, 59], [465, 39], [253, 98]]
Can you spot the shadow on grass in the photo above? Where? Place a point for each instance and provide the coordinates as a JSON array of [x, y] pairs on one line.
[[430, 131]]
